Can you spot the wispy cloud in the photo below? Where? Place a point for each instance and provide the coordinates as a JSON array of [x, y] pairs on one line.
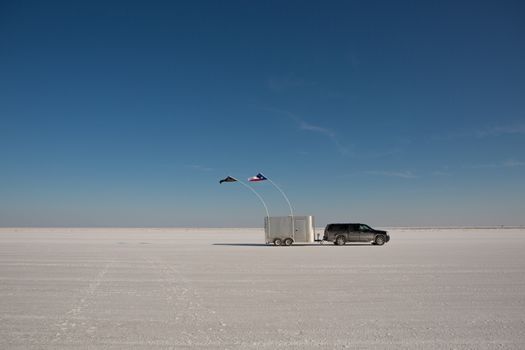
[[305, 126], [198, 167], [332, 135], [280, 84], [407, 174], [441, 173], [378, 154], [329, 133], [510, 163], [517, 129], [482, 132]]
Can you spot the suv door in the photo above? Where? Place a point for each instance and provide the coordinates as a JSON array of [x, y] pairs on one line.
[[366, 234], [353, 233], [342, 230], [336, 230]]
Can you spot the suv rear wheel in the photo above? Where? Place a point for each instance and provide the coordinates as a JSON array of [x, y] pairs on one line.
[[340, 240], [288, 241], [277, 241]]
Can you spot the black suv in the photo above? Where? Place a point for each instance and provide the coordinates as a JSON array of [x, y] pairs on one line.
[[342, 233]]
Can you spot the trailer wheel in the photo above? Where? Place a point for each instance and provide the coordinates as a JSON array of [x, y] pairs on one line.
[[340, 240], [277, 241], [379, 240], [288, 241]]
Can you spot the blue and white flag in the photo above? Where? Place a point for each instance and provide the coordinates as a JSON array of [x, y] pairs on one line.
[[258, 177]]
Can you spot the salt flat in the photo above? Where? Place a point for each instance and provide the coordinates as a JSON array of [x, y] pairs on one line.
[[223, 288]]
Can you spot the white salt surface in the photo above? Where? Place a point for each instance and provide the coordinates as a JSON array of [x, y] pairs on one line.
[[222, 288]]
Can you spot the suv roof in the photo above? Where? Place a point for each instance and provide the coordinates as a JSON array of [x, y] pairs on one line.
[[345, 223]]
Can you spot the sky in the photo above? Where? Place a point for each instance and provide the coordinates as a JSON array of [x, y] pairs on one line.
[[392, 113]]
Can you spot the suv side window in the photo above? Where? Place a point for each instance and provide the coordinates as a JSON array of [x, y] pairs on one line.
[[338, 228]]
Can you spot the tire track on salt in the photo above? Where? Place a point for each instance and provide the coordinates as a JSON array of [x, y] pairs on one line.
[[187, 302], [71, 319]]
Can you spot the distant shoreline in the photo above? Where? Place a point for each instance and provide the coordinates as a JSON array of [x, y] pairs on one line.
[[18, 228]]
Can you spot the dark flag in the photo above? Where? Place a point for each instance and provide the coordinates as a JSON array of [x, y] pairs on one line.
[[228, 179]]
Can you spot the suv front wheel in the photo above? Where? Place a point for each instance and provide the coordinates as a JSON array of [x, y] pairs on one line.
[[380, 240], [340, 240]]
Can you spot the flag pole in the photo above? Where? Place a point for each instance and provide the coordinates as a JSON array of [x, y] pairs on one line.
[[287, 201], [284, 195], [262, 201]]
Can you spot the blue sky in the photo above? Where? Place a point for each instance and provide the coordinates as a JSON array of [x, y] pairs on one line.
[[386, 112]]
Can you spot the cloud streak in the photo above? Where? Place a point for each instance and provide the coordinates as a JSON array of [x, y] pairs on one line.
[[441, 173], [510, 163], [329, 133], [483, 132], [407, 174], [305, 126], [198, 167], [287, 83], [333, 137], [501, 130]]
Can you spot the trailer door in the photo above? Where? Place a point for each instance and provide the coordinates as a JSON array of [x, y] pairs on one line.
[[300, 230]]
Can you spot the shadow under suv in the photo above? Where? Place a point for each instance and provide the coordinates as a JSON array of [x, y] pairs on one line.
[[342, 233]]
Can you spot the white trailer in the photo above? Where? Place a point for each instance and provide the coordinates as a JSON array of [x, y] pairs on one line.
[[286, 230]]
